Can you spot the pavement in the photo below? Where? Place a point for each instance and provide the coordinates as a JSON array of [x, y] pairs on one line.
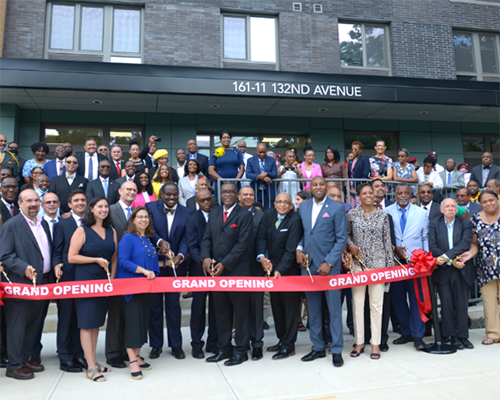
[[401, 373]]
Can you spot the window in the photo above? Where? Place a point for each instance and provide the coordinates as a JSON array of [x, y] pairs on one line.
[[364, 46], [476, 56], [475, 145], [94, 33], [249, 39]]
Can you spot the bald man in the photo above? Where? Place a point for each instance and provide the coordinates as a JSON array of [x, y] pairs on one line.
[[262, 170], [486, 171]]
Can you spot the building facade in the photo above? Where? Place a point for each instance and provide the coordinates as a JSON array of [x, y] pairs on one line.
[[421, 75]]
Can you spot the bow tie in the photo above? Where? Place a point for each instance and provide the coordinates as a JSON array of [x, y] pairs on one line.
[[487, 167], [169, 210]]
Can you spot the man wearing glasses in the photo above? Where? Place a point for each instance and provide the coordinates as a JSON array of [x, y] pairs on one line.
[[63, 185]]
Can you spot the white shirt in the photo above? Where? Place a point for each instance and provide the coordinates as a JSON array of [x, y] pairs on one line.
[[205, 214], [316, 208], [9, 206], [71, 178], [427, 208], [230, 210], [180, 170], [434, 178], [51, 225], [124, 208], [438, 168], [77, 219], [58, 165], [130, 178], [382, 203], [246, 157], [95, 165], [170, 218]]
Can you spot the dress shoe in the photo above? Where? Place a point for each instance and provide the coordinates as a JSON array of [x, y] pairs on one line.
[[337, 359], [218, 357], [257, 354], [212, 349], [384, 347], [35, 367], [22, 373], [36, 359], [403, 339], [283, 353], [456, 342], [236, 359], [313, 355], [81, 362], [155, 352], [178, 353], [265, 326], [419, 344], [274, 348], [3, 362], [116, 362], [467, 344], [446, 339], [70, 366], [197, 353]]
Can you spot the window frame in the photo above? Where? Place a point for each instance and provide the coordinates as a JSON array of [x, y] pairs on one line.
[[478, 62], [247, 38], [363, 43], [107, 35]]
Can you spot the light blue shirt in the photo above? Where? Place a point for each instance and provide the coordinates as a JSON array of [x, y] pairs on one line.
[[449, 228]]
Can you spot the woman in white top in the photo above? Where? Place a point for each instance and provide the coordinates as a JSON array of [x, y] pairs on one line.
[[289, 171], [187, 184]]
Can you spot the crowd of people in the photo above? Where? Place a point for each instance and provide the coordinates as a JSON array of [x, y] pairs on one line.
[[94, 216]]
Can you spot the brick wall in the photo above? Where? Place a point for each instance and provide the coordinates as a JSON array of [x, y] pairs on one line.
[[189, 32]]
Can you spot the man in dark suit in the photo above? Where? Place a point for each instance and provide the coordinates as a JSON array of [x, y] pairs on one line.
[[117, 164], [380, 190], [463, 199], [449, 237], [279, 234], [227, 238], [426, 196], [325, 235], [120, 212], [65, 184], [192, 148], [201, 184], [57, 166], [361, 169], [26, 247], [148, 151], [262, 170], [246, 200], [69, 348], [130, 170], [486, 171], [88, 162], [195, 228], [169, 222], [103, 186]]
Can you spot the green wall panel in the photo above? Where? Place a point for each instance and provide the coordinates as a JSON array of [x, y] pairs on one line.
[[8, 127], [159, 119], [322, 138], [9, 110], [447, 142], [326, 123], [415, 126], [440, 126], [92, 117], [184, 119], [31, 115], [473, 127], [371, 125], [238, 125], [416, 142]]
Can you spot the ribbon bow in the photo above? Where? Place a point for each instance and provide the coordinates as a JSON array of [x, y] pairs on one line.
[[423, 263], [169, 210]]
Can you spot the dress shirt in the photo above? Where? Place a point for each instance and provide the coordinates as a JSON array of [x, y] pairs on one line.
[[60, 163], [449, 228], [130, 178], [170, 218], [9, 207], [180, 170], [427, 208], [125, 208], [95, 165], [246, 157], [193, 156], [105, 188], [118, 167], [485, 173], [205, 214], [434, 178], [316, 208], [51, 224], [70, 178], [230, 210], [77, 219], [382, 204], [41, 239]]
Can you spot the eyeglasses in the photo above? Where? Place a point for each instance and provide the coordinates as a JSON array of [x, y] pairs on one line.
[[205, 200], [71, 162], [142, 217], [105, 166], [282, 202], [9, 187]]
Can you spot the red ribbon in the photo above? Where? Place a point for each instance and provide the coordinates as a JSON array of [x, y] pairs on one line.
[[423, 264]]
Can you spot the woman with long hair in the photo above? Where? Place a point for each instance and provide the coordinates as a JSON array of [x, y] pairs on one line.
[[187, 184], [163, 175], [31, 184], [334, 167], [145, 192]]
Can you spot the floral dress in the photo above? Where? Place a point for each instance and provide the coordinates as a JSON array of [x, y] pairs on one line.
[[380, 166], [487, 268]]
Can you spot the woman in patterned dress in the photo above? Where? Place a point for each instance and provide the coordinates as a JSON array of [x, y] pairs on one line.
[[380, 164], [369, 238]]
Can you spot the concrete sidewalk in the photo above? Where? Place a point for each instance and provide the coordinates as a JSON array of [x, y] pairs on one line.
[[401, 373]]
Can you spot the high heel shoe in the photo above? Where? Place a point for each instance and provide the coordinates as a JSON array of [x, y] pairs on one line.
[[355, 353], [135, 375]]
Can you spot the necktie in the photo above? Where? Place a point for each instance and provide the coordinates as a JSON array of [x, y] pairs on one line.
[[91, 169], [261, 166], [169, 211], [380, 207], [129, 212], [402, 221], [278, 222], [105, 187], [449, 178], [425, 208], [70, 179], [61, 167], [118, 168], [12, 210], [225, 216]]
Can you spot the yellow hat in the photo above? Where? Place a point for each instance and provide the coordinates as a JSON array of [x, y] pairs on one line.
[[162, 153]]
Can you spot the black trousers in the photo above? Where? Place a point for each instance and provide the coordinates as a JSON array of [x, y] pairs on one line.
[[256, 319], [386, 315], [37, 345], [68, 334], [225, 304], [199, 318], [23, 322], [285, 306], [3, 333], [454, 297], [115, 330]]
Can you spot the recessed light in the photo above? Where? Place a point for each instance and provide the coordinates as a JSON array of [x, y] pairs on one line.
[[323, 109], [423, 113], [214, 106], [97, 101]]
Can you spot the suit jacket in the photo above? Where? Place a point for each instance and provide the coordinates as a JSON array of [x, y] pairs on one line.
[[435, 211], [195, 228], [388, 202], [191, 203], [253, 170], [438, 244], [5, 212], [416, 232], [228, 242], [119, 220], [257, 216], [177, 236], [326, 241], [50, 169], [81, 163], [63, 231], [203, 160], [95, 189], [393, 232], [61, 187], [279, 245], [457, 178], [477, 174], [361, 169], [114, 175], [19, 249], [474, 208]]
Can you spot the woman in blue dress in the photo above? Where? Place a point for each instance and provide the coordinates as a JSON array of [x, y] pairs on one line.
[[226, 162], [137, 257], [93, 249]]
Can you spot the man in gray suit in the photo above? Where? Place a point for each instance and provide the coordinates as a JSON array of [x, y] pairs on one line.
[[325, 235], [115, 340], [451, 179]]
